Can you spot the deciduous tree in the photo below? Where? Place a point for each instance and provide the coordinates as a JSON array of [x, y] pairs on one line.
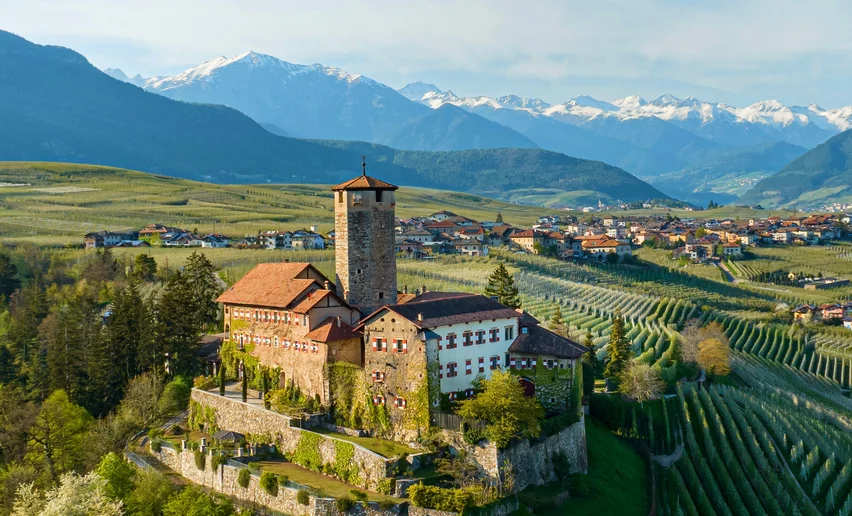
[[641, 382], [118, 475], [58, 434], [714, 356], [504, 407]]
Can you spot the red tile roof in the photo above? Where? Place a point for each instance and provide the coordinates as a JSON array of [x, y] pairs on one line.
[[270, 284], [332, 329], [364, 182]]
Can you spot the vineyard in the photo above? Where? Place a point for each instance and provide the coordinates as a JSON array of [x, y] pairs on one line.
[[756, 452]]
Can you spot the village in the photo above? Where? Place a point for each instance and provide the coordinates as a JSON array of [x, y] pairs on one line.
[[568, 237]]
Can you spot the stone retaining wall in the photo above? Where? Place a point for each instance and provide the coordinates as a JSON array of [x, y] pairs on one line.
[[343, 430], [245, 418], [224, 480], [531, 462]]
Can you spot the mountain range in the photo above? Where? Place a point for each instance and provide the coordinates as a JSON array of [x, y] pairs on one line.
[[689, 148], [56, 106]]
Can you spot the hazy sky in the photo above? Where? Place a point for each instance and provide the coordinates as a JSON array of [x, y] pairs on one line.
[[734, 51]]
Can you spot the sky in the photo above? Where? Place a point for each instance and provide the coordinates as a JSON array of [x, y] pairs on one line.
[[733, 51]]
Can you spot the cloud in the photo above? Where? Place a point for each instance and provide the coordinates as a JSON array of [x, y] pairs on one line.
[[735, 48]]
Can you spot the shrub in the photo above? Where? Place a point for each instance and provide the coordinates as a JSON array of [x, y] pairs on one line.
[[217, 460], [344, 504], [473, 435], [386, 504], [175, 398], [283, 479], [302, 497], [440, 498], [204, 383], [580, 486], [269, 483], [156, 445], [244, 478], [200, 459], [155, 433]]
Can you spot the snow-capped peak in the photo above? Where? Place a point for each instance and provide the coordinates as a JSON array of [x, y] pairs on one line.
[[517, 102], [633, 101], [666, 99], [417, 90]]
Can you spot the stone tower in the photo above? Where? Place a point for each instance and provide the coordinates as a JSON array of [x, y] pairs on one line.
[[365, 252]]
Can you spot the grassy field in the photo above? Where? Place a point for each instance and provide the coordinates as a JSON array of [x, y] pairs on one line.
[[57, 203], [383, 447], [329, 486], [617, 479]]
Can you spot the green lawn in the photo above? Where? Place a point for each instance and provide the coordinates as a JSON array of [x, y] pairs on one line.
[[617, 477], [329, 486], [383, 447]]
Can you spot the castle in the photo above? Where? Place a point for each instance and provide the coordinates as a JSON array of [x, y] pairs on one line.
[[405, 345]]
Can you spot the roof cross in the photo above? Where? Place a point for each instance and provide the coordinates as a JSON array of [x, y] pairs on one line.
[[364, 166]]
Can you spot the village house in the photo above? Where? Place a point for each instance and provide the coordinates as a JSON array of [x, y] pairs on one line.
[[598, 248], [100, 239]]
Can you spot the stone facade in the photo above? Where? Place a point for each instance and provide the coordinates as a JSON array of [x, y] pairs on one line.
[[286, 338], [247, 419], [531, 462], [395, 365], [365, 263], [224, 480]]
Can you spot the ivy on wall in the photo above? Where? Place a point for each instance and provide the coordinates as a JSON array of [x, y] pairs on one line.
[[201, 415], [348, 391], [307, 452], [345, 468], [552, 386]]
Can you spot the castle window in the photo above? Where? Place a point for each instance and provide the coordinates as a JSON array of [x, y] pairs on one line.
[[480, 337], [467, 338], [381, 295], [378, 376], [357, 198], [399, 402], [509, 334], [378, 400], [275, 341], [226, 310], [451, 341], [340, 197], [451, 370], [468, 368], [494, 335], [494, 362], [378, 196], [481, 364]]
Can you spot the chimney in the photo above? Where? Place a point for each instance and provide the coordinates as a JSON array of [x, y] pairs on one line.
[[423, 289], [338, 320], [313, 229], [405, 289], [420, 317], [326, 285]]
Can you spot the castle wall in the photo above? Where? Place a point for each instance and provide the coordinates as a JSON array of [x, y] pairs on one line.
[[224, 480], [247, 419]]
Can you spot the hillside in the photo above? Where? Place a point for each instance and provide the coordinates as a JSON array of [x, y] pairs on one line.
[[821, 175], [511, 173], [89, 117], [63, 201], [722, 175]]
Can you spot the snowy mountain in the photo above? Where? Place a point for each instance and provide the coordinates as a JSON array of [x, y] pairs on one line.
[[417, 90], [322, 102], [115, 73]]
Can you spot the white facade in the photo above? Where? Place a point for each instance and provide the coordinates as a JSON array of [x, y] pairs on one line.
[[453, 359]]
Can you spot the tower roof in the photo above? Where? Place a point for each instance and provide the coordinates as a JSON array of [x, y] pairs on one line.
[[364, 183]]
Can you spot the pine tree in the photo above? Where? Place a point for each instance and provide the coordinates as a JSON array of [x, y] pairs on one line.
[[204, 289], [618, 351], [501, 285], [499, 218], [178, 326], [556, 320]]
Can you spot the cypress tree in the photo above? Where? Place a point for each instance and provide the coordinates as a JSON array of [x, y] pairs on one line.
[[618, 351], [222, 379], [245, 385], [501, 285], [499, 218], [591, 356]]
